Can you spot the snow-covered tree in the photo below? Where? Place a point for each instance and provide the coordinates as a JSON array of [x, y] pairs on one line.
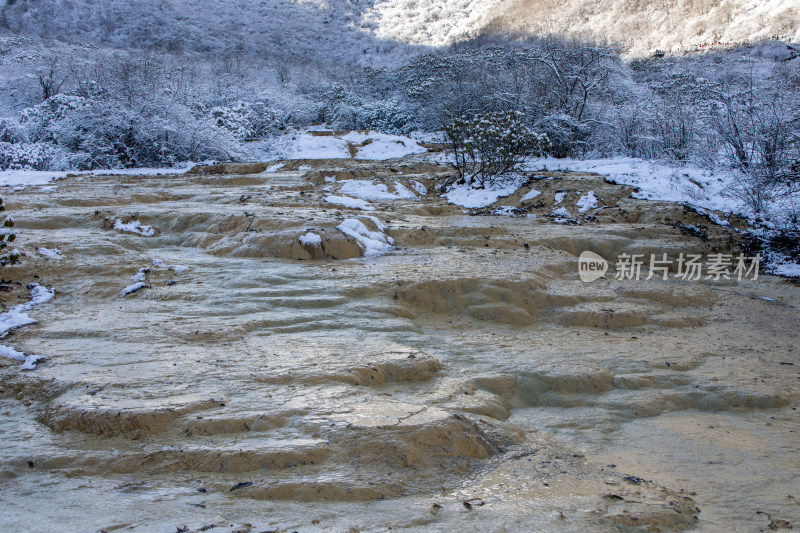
[[485, 146]]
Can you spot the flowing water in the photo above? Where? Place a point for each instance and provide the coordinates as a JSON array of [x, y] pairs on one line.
[[466, 380]]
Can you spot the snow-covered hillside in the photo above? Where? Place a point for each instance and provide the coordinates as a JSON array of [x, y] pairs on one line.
[[430, 22], [645, 26], [351, 30], [367, 31]]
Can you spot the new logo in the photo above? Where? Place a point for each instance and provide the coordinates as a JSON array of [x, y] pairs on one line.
[[591, 266]]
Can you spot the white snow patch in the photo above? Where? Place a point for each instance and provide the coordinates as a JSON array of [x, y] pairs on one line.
[[14, 318], [310, 239], [790, 270], [372, 242], [353, 203], [53, 253], [273, 168], [658, 181], [559, 197], [712, 217], [39, 295], [378, 192], [382, 146], [28, 361], [716, 220], [179, 169], [466, 196], [402, 190], [420, 188], [26, 178], [586, 202], [530, 195], [303, 145], [135, 227], [141, 275], [178, 269], [22, 178], [132, 288], [17, 317], [380, 225], [31, 361], [561, 212]]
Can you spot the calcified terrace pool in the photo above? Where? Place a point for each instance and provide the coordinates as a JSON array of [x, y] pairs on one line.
[[209, 370]]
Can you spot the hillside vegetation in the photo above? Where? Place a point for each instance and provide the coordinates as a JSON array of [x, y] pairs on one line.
[[368, 31], [644, 26]]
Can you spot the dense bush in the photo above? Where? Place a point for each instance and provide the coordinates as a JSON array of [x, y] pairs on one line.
[[560, 88], [247, 121], [12, 132], [487, 145], [34, 156], [103, 132]]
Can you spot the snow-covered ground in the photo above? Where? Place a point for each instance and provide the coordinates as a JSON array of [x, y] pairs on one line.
[[303, 145], [380, 146], [357, 194], [346, 201], [466, 196], [33, 178], [704, 190], [700, 188], [587, 202], [51, 253], [530, 195], [177, 269], [16, 317], [657, 181], [378, 192], [130, 289], [28, 178], [372, 242], [319, 143], [135, 227], [310, 239]]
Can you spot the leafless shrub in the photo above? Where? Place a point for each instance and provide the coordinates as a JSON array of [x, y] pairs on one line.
[[761, 143]]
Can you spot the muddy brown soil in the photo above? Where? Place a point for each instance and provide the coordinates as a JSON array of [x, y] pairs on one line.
[[466, 380]]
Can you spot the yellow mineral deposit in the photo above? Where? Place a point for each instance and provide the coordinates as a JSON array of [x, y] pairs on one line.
[[467, 380]]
